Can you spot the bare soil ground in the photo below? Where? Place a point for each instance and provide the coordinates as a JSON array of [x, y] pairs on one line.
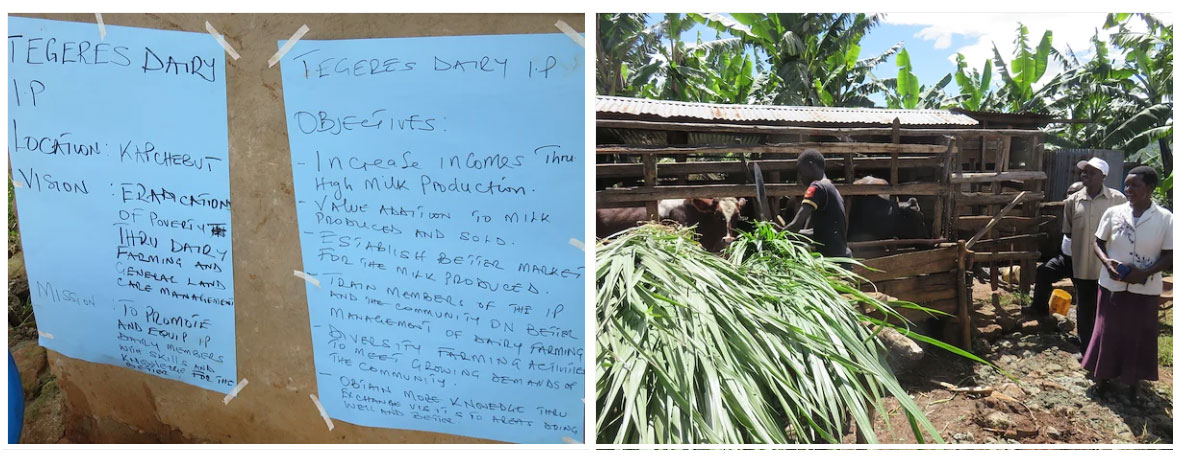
[[1044, 396]]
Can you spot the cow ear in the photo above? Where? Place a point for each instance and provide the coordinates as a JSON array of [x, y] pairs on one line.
[[911, 203], [740, 203], [704, 205]]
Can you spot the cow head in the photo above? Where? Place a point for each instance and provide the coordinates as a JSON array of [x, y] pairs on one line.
[[909, 221], [720, 212]]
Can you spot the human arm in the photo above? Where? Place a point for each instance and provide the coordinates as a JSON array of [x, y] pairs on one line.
[[801, 218], [1066, 225], [1140, 275], [1110, 264], [814, 198], [1101, 235]]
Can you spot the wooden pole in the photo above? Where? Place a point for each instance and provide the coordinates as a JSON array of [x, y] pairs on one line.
[[650, 174], [895, 153], [963, 296]]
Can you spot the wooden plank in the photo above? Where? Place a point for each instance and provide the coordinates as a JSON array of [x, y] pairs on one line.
[[677, 138], [894, 154], [974, 223], [608, 197], [849, 164], [964, 296], [777, 148], [1004, 256], [897, 266], [911, 286], [987, 198], [791, 130], [1027, 238], [949, 292], [1000, 177], [650, 178], [633, 170], [895, 243]]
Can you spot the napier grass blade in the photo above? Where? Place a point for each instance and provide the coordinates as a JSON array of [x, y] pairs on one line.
[[766, 346]]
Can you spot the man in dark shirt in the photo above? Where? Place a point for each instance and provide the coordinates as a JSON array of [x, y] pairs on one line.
[[823, 205]]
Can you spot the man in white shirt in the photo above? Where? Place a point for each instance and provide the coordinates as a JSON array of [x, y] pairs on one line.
[[1083, 211], [1055, 269]]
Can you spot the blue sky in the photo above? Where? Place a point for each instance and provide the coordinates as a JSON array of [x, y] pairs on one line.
[[932, 39]]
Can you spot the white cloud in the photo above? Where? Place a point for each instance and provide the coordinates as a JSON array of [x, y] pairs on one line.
[[981, 31]]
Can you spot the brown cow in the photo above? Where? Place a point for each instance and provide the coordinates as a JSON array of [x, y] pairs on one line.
[[713, 218]]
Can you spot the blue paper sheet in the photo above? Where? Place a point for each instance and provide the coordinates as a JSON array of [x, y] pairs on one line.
[[438, 183], [119, 152]]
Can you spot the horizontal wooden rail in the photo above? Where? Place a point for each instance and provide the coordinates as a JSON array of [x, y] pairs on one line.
[[910, 264], [1004, 256], [999, 177], [779, 148], [975, 223], [986, 198], [634, 170], [1006, 240], [790, 130], [609, 197], [895, 243]]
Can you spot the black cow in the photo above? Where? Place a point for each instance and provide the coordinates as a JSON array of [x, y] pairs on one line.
[[875, 218], [878, 217]]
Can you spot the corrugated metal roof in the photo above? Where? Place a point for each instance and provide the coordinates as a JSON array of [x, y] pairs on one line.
[[810, 114]]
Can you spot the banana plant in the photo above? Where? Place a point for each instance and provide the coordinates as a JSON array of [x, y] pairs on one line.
[[624, 46], [1149, 56], [905, 92], [813, 59], [1025, 69], [975, 93]]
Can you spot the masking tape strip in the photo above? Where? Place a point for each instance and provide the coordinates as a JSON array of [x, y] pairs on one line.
[[16, 183], [322, 412], [307, 277], [236, 390], [570, 440], [570, 32], [45, 335], [577, 243], [99, 19], [289, 44], [220, 39]]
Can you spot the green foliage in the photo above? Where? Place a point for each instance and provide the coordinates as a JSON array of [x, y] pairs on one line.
[[764, 346], [1124, 104], [974, 96], [904, 91], [908, 86], [1025, 69], [813, 58]]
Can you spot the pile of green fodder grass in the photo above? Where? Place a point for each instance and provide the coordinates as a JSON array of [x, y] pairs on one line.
[[766, 346]]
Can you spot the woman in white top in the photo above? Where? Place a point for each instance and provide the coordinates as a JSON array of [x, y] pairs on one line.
[[1134, 243]]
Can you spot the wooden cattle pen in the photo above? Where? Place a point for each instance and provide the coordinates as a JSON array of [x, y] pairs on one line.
[[962, 174]]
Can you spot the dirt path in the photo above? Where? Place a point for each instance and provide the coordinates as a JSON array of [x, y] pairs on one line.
[[1048, 400]]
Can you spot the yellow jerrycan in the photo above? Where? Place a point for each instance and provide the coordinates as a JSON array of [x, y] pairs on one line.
[[1059, 302]]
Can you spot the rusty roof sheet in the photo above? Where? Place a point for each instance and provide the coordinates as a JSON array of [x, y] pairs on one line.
[[770, 113]]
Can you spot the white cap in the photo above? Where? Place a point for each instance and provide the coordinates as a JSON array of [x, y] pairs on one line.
[[1097, 163]]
